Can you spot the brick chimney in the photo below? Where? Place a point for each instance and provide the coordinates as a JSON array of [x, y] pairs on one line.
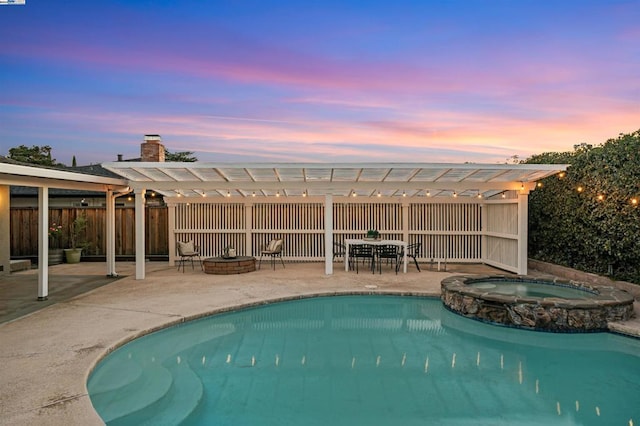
[[151, 149]]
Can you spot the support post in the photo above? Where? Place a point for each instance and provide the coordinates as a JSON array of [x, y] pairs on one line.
[[140, 230], [171, 217], [111, 233], [43, 243], [248, 226], [523, 232], [328, 234]]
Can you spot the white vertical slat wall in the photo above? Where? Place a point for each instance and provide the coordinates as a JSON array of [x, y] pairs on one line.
[[447, 229], [299, 224], [450, 231], [501, 234]]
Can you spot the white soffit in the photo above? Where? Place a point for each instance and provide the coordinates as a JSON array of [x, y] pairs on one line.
[[199, 179]]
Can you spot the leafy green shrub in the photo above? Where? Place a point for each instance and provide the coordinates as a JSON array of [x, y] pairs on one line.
[[587, 219]]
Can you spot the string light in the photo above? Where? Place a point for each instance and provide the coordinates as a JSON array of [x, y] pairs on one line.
[[455, 194], [253, 194], [600, 197], [278, 193], [404, 194], [428, 193], [580, 189], [561, 175], [539, 185], [634, 201], [504, 195], [379, 194], [228, 193], [304, 193]]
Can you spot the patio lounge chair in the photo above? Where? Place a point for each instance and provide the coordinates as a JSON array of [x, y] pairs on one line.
[[188, 251], [273, 249]]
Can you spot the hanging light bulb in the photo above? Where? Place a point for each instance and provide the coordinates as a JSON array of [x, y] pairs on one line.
[[278, 193], [428, 193], [253, 194], [455, 194], [379, 194], [404, 194]]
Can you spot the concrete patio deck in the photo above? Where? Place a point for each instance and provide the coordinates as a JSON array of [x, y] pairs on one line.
[[49, 348]]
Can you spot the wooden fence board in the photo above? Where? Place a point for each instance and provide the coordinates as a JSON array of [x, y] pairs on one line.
[[24, 230]]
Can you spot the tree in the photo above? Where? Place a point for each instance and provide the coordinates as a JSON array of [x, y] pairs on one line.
[[39, 155], [73, 162], [180, 156]]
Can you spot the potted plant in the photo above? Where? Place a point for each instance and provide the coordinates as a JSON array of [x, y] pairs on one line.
[[73, 253], [373, 234], [55, 252]]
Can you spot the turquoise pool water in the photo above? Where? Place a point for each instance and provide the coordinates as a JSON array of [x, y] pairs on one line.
[[366, 360], [533, 289]]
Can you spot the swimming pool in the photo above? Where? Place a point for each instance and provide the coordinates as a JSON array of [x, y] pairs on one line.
[[376, 360]]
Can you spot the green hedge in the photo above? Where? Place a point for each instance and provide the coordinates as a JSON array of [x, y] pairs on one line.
[[587, 219]]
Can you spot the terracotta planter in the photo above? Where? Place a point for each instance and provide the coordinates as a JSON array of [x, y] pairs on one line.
[[73, 255]]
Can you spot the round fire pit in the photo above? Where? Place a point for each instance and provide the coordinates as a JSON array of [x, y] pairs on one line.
[[230, 266]]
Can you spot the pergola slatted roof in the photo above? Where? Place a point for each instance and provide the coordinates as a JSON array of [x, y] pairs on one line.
[[199, 179]]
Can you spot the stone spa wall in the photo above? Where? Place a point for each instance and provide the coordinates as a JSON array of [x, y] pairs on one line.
[[554, 314]]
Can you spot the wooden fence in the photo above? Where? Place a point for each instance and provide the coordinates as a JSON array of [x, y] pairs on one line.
[[24, 230]]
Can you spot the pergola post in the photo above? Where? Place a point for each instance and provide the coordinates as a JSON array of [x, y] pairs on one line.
[[171, 218], [111, 233], [523, 232], [248, 215], [405, 221], [328, 234], [140, 230], [43, 243]]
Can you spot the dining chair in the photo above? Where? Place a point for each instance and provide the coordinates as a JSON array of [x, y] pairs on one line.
[[339, 250], [388, 252], [364, 252], [413, 251]]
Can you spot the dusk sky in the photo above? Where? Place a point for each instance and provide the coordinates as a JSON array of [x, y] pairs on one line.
[[306, 81]]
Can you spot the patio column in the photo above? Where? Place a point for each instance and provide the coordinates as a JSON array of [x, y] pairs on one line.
[[523, 232], [140, 228], [248, 226], [328, 234], [111, 233], [43, 243], [405, 221], [171, 218]]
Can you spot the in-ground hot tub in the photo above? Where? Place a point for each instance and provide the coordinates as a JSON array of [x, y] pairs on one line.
[[536, 304]]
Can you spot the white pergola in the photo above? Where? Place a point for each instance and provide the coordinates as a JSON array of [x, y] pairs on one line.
[[180, 182]]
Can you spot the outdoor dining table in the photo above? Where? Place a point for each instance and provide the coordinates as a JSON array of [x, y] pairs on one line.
[[401, 244]]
